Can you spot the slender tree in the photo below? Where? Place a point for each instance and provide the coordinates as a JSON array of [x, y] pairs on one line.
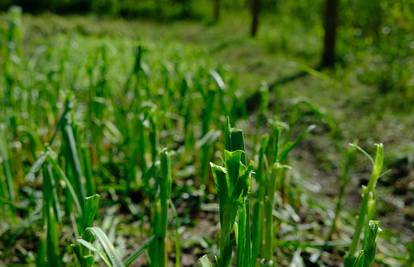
[[330, 27], [216, 10], [158, 7], [187, 9], [255, 11]]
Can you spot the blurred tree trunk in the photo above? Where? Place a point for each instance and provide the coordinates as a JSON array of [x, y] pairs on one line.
[[216, 10], [255, 10], [187, 9], [330, 27], [158, 8]]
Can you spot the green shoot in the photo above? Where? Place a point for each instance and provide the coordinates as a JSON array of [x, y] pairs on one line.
[[158, 250], [367, 194], [366, 256]]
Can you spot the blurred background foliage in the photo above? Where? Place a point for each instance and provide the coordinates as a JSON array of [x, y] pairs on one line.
[[369, 91], [376, 37]]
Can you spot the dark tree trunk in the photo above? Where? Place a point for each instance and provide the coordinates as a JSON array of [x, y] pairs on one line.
[[158, 8], [216, 10], [255, 10], [330, 26], [187, 9]]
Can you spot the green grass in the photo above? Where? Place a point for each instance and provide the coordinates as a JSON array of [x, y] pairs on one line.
[[87, 109], [253, 61]]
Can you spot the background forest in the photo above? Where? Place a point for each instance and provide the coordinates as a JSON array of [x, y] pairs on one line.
[[206, 133]]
